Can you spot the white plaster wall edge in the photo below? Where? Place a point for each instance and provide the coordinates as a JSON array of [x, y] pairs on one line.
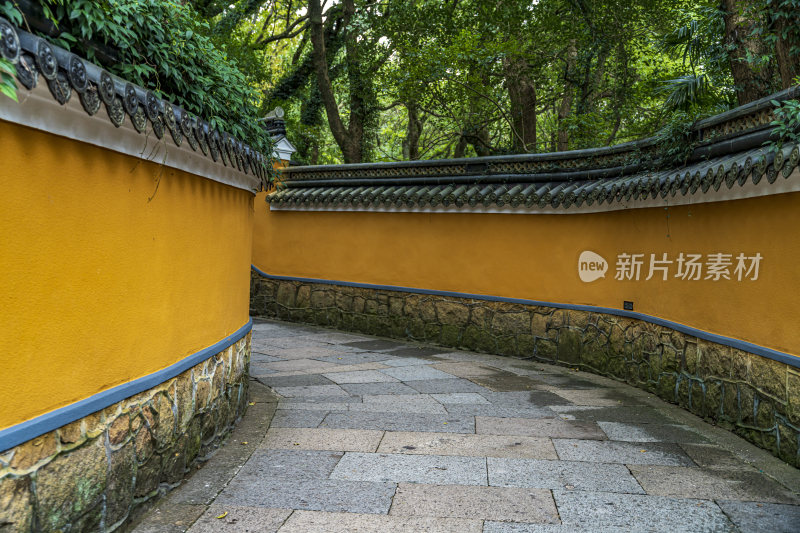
[[748, 190], [39, 110]]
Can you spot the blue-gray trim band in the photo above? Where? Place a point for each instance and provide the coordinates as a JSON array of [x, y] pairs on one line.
[[769, 353], [30, 429]]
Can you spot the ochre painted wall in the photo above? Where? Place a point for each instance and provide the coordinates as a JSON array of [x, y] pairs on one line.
[[111, 268], [536, 257]]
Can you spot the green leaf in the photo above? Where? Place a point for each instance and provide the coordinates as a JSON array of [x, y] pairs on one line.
[[9, 91]]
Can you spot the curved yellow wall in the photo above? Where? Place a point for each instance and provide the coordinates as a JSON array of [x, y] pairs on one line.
[[99, 283], [536, 257]]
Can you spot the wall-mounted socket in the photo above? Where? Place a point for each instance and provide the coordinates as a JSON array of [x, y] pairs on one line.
[[628, 306]]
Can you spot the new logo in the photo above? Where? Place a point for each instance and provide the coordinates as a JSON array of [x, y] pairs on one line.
[[591, 266]]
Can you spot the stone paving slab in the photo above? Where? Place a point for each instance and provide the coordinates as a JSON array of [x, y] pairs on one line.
[[712, 457], [170, 518], [541, 427], [260, 358], [377, 345], [330, 336], [291, 465], [568, 475], [401, 422], [416, 373], [592, 397], [451, 398], [334, 495], [444, 386], [650, 432], [506, 382], [207, 482], [467, 445], [571, 381], [460, 501], [299, 365], [316, 522], [423, 404], [534, 398], [258, 371], [364, 376], [623, 414], [311, 390], [473, 357], [360, 389], [309, 351], [517, 527], [350, 368], [683, 482], [340, 398], [429, 469], [465, 370], [293, 403], [303, 380], [286, 418], [355, 358], [291, 342], [639, 512], [239, 519], [499, 411], [630, 453], [345, 440], [410, 403], [421, 351], [407, 361], [753, 517]]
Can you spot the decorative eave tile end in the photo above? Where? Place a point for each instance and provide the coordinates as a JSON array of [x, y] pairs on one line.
[[194, 145]]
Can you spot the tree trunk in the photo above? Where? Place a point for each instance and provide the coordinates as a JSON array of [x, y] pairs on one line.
[[566, 102], [413, 133], [787, 47], [480, 142], [460, 147], [358, 110], [522, 95], [349, 144], [752, 81]]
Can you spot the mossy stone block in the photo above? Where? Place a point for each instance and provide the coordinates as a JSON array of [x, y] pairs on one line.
[[71, 485]]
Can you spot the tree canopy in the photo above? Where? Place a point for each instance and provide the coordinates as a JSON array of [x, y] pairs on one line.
[[372, 80]]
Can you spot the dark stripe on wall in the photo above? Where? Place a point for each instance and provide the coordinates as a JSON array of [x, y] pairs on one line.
[[769, 353], [40, 425]]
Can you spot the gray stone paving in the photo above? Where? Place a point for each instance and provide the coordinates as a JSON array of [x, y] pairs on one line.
[[375, 435], [431, 469], [570, 475]]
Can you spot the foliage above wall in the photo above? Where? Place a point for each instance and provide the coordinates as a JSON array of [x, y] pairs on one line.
[[158, 44], [424, 79]]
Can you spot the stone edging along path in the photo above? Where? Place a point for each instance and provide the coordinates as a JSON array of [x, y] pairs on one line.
[[180, 508]]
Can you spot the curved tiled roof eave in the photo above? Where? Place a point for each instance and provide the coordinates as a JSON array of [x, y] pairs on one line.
[[734, 157], [66, 95]]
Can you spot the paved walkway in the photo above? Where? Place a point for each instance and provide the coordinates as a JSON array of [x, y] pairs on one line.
[[373, 435]]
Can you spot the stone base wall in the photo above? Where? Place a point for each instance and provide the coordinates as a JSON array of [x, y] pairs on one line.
[[756, 397], [91, 474]]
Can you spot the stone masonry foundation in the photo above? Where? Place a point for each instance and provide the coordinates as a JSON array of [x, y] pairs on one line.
[[756, 397], [91, 474]]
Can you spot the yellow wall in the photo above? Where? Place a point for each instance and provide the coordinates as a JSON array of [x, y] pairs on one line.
[[535, 257], [100, 285]]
